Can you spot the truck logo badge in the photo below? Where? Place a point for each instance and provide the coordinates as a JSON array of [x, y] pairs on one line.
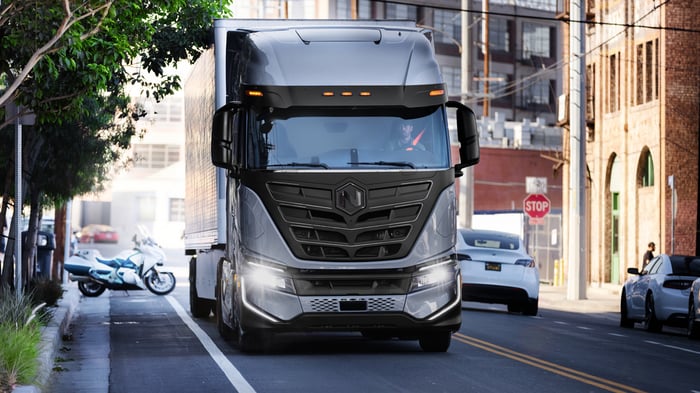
[[350, 198]]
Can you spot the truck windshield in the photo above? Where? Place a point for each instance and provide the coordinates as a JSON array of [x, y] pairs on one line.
[[357, 139]]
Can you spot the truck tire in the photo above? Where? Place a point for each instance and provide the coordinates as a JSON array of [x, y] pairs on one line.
[[435, 341], [200, 308], [224, 330]]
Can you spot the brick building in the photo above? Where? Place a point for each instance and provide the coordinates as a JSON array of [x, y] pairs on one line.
[[642, 112]]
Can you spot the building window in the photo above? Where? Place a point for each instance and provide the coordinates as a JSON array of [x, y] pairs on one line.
[[499, 92], [177, 209], [646, 169], [155, 155], [146, 208], [647, 88], [613, 83], [401, 11], [453, 80], [499, 35], [536, 40], [448, 26], [640, 74], [538, 93], [649, 63]]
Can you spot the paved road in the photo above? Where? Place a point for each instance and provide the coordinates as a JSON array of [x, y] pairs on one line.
[[139, 342]]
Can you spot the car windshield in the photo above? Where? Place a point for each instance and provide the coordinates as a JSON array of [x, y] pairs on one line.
[[685, 265], [357, 139], [491, 240]]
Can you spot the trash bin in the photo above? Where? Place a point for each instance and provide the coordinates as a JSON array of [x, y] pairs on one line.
[[45, 244]]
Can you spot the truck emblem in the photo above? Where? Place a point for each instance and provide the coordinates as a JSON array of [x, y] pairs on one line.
[[350, 198]]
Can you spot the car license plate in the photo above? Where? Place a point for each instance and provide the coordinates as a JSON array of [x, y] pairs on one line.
[[492, 266]]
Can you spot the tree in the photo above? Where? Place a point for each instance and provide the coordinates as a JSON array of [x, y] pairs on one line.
[[82, 79]]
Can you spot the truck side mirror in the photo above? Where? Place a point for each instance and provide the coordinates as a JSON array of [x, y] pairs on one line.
[[222, 136], [468, 135]]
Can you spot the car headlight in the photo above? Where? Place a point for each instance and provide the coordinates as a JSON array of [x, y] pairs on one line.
[[433, 275], [269, 277]]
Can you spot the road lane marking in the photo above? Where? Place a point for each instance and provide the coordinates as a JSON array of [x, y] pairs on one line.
[[231, 372], [570, 373], [672, 347], [617, 334]]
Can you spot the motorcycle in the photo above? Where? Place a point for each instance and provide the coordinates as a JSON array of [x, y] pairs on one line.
[[134, 269]]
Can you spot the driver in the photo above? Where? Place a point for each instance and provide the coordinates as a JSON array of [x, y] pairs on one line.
[[407, 140]]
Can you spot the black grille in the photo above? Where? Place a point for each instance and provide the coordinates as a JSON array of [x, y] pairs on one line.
[[382, 223]]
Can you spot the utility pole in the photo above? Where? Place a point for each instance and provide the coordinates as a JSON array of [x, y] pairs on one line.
[[576, 280], [466, 183], [487, 60]]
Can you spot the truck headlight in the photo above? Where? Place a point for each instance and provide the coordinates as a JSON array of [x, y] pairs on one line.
[[433, 275], [269, 277]]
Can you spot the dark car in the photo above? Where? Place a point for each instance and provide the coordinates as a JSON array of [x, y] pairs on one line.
[[98, 233]]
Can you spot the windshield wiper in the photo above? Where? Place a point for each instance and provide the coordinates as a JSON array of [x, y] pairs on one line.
[[297, 164], [388, 163]]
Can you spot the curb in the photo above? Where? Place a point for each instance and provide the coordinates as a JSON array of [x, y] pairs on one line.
[[52, 337]]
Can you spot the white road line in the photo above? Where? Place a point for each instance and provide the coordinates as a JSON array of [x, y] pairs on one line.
[[583, 328], [231, 372], [617, 334], [672, 347], [561, 322]]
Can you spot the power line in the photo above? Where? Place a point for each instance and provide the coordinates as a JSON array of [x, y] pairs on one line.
[[549, 18]]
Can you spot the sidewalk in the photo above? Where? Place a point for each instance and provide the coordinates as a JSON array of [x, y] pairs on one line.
[[599, 298], [603, 298]]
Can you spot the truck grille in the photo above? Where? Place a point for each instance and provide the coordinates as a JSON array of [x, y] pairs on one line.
[[378, 230], [392, 303]]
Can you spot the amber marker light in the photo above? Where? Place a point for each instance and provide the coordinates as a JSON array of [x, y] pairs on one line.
[[346, 94], [438, 92], [328, 94], [254, 93], [365, 94]]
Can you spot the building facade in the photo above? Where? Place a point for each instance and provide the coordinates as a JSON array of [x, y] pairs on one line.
[[642, 111]]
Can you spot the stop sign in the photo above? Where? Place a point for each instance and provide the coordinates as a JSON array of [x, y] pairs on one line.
[[536, 205]]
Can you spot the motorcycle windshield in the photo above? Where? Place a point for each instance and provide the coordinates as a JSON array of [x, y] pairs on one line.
[[348, 139]]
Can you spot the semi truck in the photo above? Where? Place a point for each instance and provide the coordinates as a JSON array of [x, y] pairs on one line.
[[320, 182]]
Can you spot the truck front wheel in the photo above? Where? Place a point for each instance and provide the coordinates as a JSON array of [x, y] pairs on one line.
[[435, 341]]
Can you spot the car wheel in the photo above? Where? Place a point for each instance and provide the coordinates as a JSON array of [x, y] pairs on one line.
[[515, 307], [625, 322], [531, 307], [693, 326], [651, 323]]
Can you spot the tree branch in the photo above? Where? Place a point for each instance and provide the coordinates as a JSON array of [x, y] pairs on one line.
[[48, 48]]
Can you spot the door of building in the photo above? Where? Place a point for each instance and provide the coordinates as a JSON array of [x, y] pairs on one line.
[[615, 239]]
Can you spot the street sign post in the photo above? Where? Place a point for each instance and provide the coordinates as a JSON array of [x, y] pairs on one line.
[[536, 206]]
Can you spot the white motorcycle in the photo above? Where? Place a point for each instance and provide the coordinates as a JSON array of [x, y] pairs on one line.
[[138, 268]]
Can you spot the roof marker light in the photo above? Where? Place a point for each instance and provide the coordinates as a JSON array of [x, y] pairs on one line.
[[438, 92], [365, 94], [254, 93], [346, 94], [328, 94]]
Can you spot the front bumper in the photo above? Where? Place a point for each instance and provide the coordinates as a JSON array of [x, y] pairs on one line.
[[353, 302]]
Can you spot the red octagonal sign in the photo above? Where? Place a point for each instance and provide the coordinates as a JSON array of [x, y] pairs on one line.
[[536, 205]]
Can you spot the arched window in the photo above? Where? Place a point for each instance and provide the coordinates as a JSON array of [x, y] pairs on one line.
[[645, 173]]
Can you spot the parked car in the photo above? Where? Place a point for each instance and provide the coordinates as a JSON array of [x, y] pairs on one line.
[[97, 233], [658, 295], [496, 268], [694, 310]]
